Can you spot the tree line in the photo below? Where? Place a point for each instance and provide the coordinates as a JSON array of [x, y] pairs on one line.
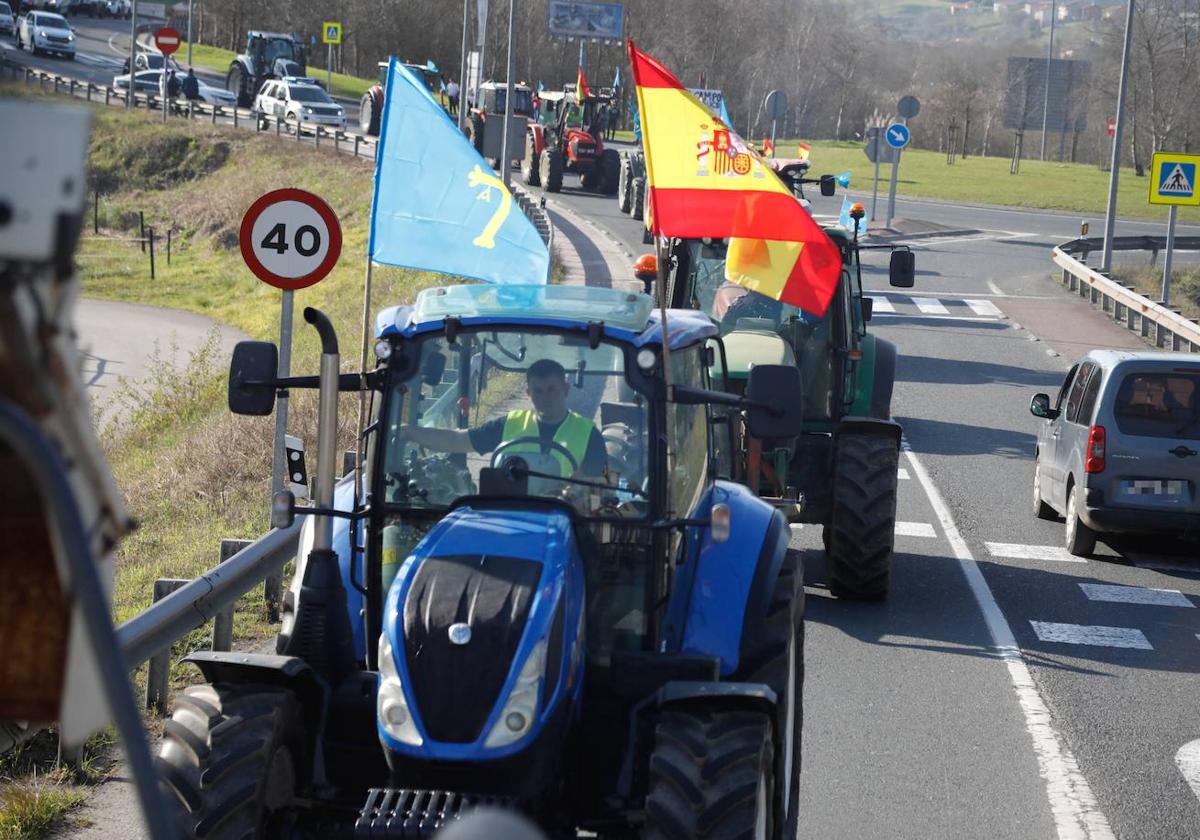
[[840, 71]]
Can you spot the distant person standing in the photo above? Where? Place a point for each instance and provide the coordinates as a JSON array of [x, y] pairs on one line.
[[452, 95], [191, 85]]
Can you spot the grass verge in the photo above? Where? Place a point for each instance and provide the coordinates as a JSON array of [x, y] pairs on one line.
[[37, 793], [1184, 292]]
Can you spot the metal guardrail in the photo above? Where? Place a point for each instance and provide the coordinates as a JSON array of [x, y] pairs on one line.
[[536, 212], [1159, 324]]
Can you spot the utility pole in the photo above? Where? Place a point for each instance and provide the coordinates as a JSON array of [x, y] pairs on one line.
[[132, 53], [505, 154], [1111, 214], [1049, 64], [462, 73]]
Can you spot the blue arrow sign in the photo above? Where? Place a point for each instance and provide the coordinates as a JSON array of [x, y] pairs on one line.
[[897, 135]]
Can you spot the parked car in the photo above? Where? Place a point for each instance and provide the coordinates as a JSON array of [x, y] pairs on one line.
[[118, 8], [91, 8], [298, 99], [150, 81], [46, 32], [1119, 451], [8, 23]]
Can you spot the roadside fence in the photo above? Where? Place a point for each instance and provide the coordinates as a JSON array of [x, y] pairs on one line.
[[1161, 325]]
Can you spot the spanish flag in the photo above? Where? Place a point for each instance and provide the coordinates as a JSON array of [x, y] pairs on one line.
[[582, 91], [705, 181]]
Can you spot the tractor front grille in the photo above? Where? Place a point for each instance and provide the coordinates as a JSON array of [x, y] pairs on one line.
[[411, 814]]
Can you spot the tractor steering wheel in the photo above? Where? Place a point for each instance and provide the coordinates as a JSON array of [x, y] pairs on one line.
[[498, 457]]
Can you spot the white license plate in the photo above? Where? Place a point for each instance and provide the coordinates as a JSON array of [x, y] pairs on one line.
[[1154, 487]]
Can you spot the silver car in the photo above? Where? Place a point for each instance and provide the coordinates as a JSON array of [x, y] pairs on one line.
[[8, 23], [1119, 451]]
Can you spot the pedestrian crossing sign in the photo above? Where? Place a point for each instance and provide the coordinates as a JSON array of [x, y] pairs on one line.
[[1173, 179], [331, 33]]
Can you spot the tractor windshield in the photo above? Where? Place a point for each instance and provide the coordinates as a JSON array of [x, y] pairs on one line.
[[522, 101], [274, 48], [555, 415]]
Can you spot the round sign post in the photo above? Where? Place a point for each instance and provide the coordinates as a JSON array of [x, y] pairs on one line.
[[290, 239], [776, 107]]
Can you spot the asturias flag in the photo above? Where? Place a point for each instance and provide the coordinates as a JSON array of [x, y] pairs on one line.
[[704, 181], [438, 206]]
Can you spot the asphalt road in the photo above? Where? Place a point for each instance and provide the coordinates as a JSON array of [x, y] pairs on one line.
[[985, 698]]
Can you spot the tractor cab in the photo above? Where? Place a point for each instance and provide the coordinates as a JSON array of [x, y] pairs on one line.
[[492, 97], [274, 54], [531, 589]]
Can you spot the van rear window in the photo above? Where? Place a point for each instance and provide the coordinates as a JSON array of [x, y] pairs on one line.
[[1162, 405]]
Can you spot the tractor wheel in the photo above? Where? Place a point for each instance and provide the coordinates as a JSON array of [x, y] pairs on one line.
[[624, 182], [475, 132], [237, 82], [864, 516], [1040, 509], [531, 170], [610, 171], [712, 775], [229, 760], [551, 174], [637, 202], [773, 653], [368, 117]]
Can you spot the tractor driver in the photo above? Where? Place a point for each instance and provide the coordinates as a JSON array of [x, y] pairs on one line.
[[550, 437]]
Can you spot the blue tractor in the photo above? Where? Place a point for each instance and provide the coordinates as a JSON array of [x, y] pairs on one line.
[[268, 55], [542, 596]]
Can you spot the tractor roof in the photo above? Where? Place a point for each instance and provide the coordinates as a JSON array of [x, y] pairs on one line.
[[498, 85], [255, 33], [625, 316]]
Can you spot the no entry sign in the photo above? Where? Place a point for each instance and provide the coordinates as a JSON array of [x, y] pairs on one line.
[[290, 239], [167, 40]]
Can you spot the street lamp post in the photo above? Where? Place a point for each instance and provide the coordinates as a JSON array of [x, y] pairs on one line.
[[505, 154], [189, 34], [129, 101], [462, 73], [1049, 63], [1110, 215]]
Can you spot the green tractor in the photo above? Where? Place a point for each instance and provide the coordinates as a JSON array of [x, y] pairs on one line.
[[268, 55], [841, 472]]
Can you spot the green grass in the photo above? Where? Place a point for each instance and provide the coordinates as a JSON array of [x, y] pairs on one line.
[[37, 793], [28, 810], [1071, 187], [1184, 291], [217, 60]]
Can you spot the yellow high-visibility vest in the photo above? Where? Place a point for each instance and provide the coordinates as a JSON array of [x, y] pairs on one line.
[[573, 435]]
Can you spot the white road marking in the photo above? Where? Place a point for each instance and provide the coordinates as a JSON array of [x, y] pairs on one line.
[[902, 474], [930, 306], [915, 529], [984, 307], [882, 305], [1077, 815], [1187, 759], [1135, 595], [1016, 551], [958, 293], [995, 289], [900, 316], [1091, 634]]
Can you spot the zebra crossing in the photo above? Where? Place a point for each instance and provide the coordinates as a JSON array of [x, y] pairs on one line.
[[965, 308]]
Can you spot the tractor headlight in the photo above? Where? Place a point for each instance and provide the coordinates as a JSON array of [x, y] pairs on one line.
[[517, 716], [391, 708]]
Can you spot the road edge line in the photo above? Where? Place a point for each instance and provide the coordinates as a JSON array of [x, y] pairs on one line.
[[1077, 814]]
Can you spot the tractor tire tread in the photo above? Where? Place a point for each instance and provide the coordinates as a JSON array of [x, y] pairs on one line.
[[863, 517], [687, 797]]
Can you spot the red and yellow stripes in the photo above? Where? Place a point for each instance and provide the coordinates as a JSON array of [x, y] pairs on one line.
[[704, 180]]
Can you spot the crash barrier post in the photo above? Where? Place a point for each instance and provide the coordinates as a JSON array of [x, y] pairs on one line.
[[198, 601], [222, 637], [536, 213], [235, 115], [215, 110], [158, 675], [1154, 321], [357, 140]]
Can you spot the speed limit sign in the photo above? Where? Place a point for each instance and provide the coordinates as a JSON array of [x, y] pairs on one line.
[[290, 239]]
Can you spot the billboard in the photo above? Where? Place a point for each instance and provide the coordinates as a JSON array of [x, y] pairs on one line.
[[1027, 91], [587, 20]]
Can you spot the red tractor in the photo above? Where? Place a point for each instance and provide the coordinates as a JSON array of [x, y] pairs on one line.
[[567, 135], [370, 108]]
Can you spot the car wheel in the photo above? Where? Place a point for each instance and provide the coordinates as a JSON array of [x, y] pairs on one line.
[[1040, 509], [1080, 539]]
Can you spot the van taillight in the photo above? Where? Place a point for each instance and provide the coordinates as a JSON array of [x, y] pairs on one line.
[[1095, 450]]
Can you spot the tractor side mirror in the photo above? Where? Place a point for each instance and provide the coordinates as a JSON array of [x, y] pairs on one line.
[[252, 375], [1039, 406], [828, 186], [777, 404], [902, 269], [868, 308]]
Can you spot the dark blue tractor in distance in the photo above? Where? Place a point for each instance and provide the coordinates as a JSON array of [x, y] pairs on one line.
[[268, 55], [560, 609]]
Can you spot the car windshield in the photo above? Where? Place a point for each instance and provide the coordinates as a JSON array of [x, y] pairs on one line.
[[308, 93], [542, 407], [51, 22], [5, 9]]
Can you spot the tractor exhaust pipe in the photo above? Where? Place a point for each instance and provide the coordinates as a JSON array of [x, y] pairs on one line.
[[321, 633]]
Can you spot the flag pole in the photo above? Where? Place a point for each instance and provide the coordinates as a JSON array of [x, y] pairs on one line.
[[362, 393], [669, 449]]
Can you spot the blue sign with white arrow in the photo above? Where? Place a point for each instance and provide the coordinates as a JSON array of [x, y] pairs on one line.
[[897, 135]]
